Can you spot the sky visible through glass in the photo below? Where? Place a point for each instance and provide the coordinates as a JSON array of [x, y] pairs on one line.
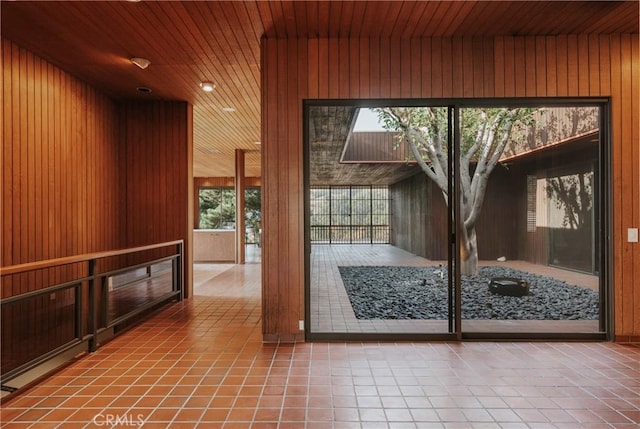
[[367, 121]]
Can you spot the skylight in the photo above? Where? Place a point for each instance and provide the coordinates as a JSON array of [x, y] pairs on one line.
[[367, 121]]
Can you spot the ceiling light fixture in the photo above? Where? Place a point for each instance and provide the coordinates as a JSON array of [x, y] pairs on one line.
[[228, 109], [143, 63], [207, 86]]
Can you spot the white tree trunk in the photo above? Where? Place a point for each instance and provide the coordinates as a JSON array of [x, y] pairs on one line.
[[468, 252]]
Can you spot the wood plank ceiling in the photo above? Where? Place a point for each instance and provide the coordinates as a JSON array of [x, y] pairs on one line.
[[191, 41]]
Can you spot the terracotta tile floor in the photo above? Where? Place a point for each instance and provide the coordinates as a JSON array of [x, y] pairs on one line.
[[201, 364]]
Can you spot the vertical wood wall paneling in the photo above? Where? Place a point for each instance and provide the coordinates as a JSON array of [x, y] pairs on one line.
[[354, 65], [447, 77], [48, 151], [425, 69], [401, 66], [616, 161], [385, 65], [284, 186], [562, 86], [47, 196], [628, 164], [155, 145], [302, 88], [541, 60], [270, 142], [573, 72], [531, 72], [635, 180], [476, 71], [518, 66], [551, 67], [7, 156], [373, 89], [295, 179], [314, 69], [499, 66], [458, 65], [415, 52], [343, 62]]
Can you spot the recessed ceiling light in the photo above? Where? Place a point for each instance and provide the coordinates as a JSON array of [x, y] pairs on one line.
[[143, 63], [144, 89], [207, 86], [228, 109], [257, 142]]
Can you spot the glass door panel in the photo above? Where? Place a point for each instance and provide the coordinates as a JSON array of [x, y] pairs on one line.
[[529, 251], [377, 221]]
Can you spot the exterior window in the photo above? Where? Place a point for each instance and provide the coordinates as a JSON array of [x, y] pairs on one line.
[[217, 208], [253, 215], [350, 214]]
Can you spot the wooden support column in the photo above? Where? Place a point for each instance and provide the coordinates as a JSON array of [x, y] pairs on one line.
[[240, 207]]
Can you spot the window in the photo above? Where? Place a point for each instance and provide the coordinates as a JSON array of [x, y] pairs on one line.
[[253, 215], [350, 214], [217, 208]]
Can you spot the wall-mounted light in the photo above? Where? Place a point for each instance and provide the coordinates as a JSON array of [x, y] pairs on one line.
[[143, 63], [207, 86]]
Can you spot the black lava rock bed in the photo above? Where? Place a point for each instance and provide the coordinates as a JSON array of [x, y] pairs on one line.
[[385, 292]]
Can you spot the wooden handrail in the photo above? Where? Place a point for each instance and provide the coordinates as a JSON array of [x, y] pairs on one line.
[[30, 266]]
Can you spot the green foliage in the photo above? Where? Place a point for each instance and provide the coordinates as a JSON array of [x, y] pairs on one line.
[[217, 208], [253, 214], [484, 135], [430, 125]]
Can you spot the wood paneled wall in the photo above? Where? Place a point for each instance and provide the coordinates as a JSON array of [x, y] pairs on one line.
[[412, 211], [419, 217], [82, 173], [60, 194], [156, 167], [298, 69]]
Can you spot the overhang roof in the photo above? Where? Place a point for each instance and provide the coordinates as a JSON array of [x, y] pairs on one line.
[[188, 42]]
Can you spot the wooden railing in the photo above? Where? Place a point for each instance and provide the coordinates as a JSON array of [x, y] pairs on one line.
[[50, 307]]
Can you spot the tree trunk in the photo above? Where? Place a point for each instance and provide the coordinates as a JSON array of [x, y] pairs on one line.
[[468, 252]]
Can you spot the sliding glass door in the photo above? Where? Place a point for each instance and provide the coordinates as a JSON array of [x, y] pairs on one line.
[[530, 222], [492, 222]]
